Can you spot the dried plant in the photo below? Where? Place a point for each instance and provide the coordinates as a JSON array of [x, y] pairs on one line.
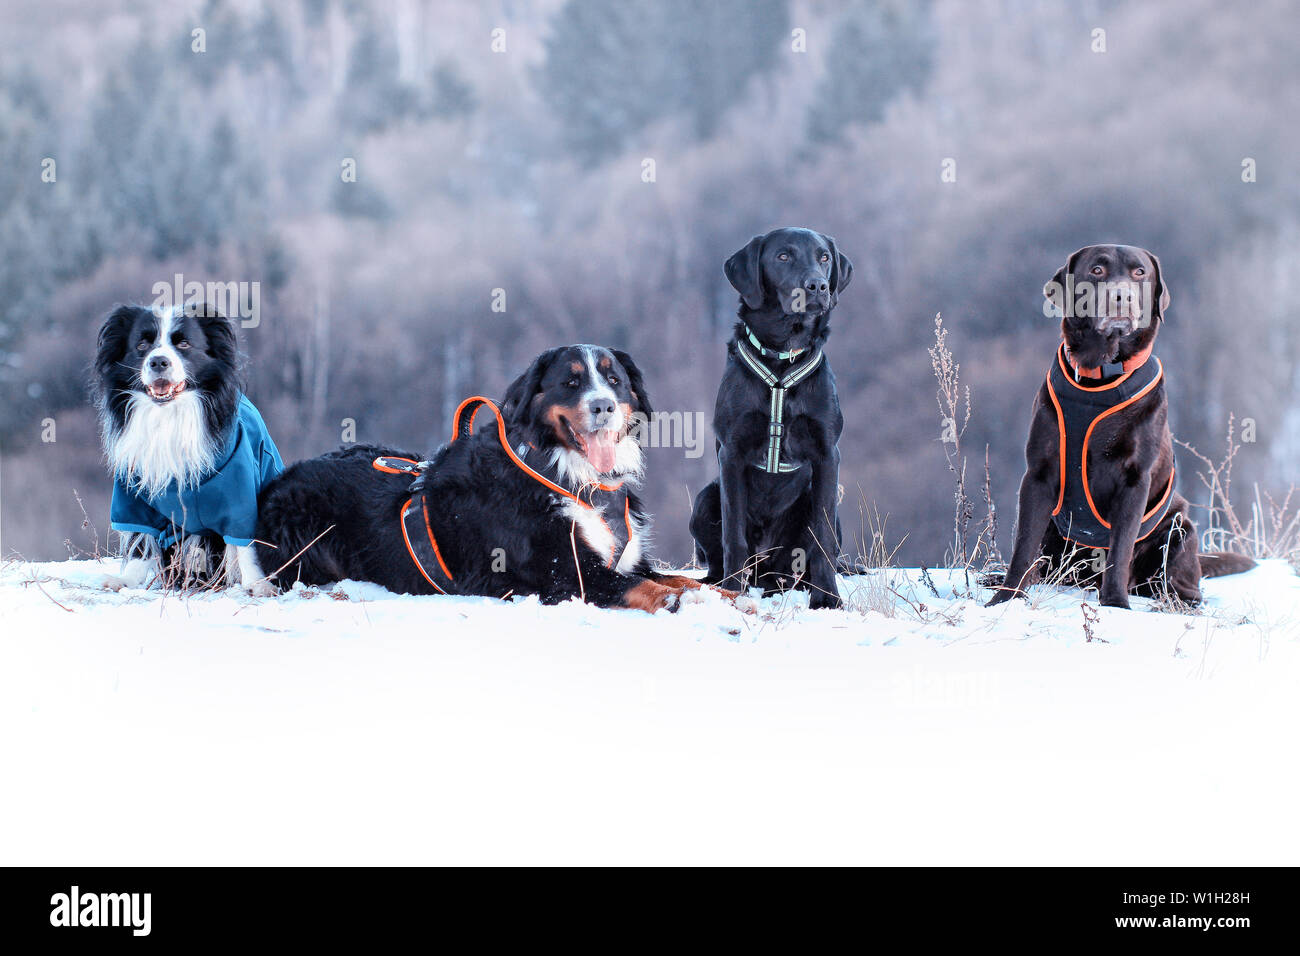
[[1273, 528], [954, 417]]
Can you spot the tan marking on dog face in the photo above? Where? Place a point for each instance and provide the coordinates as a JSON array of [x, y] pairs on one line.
[[573, 415], [575, 368], [605, 363]]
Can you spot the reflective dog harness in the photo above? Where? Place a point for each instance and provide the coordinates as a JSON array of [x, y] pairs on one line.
[[772, 463], [1079, 408], [762, 349], [417, 531]]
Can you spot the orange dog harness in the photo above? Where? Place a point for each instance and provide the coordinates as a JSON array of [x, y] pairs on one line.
[[1079, 409], [417, 531]]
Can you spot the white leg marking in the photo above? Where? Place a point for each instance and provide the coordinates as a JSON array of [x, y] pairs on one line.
[[250, 572]]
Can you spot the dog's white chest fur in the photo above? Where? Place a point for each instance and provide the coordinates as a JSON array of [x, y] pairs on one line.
[[593, 528], [631, 556], [161, 443], [576, 471]]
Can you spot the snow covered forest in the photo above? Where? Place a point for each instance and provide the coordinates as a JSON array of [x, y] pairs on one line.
[[501, 145]]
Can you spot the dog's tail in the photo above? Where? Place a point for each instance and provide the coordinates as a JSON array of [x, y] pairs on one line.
[[850, 566], [1215, 564]]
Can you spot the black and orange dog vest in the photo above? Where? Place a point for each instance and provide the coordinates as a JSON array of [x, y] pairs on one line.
[[1079, 409]]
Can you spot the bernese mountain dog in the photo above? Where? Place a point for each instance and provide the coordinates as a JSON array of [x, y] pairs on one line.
[[540, 501], [188, 451]]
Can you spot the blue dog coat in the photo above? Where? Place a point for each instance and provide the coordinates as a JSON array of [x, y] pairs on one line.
[[224, 503]]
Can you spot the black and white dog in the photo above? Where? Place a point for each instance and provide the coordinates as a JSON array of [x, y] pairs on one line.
[[189, 453], [541, 500]]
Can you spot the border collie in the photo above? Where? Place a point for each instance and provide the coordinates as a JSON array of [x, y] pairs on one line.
[[540, 501], [189, 453]]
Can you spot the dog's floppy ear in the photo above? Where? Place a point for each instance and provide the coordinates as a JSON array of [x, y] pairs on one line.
[[517, 403], [1160, 301], [745, 273], [1054, 290], [113, 334], [841, 268], [218, 329], [111, 345], [635, 381]]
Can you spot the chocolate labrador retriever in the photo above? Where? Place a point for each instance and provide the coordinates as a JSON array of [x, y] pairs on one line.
[[773, 515], [1101, 469]]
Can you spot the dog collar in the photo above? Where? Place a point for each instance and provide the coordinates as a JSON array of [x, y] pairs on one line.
[[771, 353], [1110, 369], [772, 462]]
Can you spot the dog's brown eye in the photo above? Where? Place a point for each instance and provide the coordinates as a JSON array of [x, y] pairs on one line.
[[825, 257], [613, 380], [1097, 270], [571, 383], [783, 257], [142, 346], [1139, 271], [182, 345]]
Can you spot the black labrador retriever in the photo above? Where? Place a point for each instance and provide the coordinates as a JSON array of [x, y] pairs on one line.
[[772, 516], [1100, 478]]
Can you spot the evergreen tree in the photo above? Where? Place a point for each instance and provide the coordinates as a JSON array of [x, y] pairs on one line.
[[613, 69], [880, 48]]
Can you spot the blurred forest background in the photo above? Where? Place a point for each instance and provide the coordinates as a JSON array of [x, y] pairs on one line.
[[521, 169]]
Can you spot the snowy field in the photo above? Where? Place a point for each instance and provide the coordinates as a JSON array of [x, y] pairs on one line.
[[356, 726]]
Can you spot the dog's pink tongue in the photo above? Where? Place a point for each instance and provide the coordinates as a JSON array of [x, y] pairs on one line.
[[602, 450]]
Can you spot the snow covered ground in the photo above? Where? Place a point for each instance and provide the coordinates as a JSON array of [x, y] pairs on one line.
[[357, 726]]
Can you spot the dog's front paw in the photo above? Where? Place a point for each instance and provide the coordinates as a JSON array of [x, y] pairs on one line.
[[736, 578], [262, 588], [135, 573], [824, 600], [652, 596], [679, 581], [1003, 594], [741, 602], [1115, 600]]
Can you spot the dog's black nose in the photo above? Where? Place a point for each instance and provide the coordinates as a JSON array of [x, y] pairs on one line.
[[601, 408], [817, 285], [159, 363]]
